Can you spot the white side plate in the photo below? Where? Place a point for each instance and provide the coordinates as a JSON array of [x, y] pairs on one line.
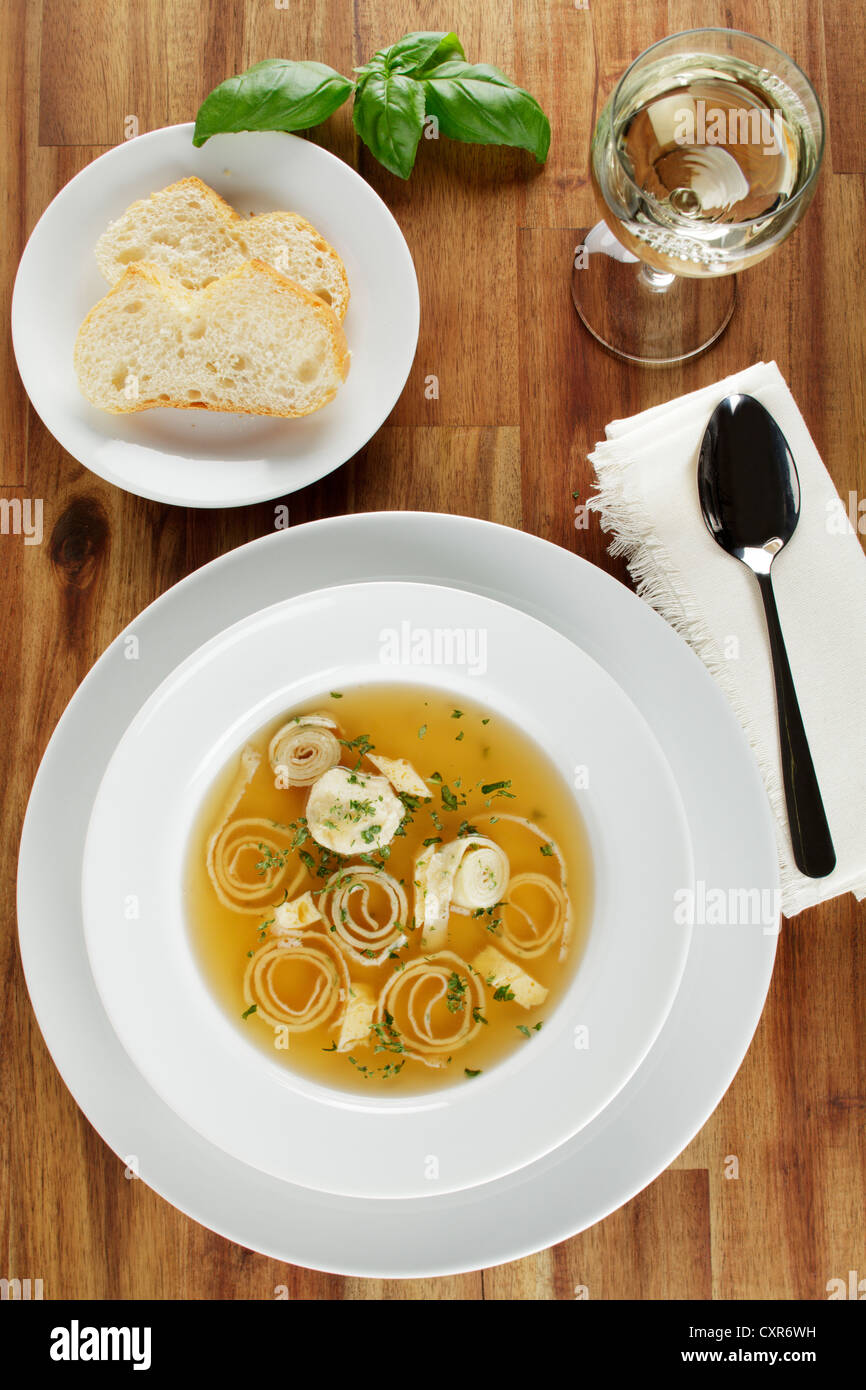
[[199, 458]]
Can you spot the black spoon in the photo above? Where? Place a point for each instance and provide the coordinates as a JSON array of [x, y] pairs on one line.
[[750, 498]]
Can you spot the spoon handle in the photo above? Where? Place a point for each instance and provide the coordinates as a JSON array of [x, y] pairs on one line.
[[814, 854]]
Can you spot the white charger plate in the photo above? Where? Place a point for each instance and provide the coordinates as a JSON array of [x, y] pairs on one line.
[[205, 1065], [701, 1044], [199, 458]]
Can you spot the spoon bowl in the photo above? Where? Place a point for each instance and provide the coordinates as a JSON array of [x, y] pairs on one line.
[[748, 482]]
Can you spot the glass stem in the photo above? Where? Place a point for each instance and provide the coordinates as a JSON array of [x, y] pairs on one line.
[[655, 280]]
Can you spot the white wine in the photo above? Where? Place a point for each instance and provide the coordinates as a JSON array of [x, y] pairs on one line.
[[699, 161]]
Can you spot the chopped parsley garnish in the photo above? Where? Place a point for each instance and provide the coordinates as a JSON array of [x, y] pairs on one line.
[[391, 1069], [468, 1071], [488, 912], [449, 800], [251, 1010], [386, 1036], [271, 859], [503, 994], [455, 999], [547, 849], [362, 745], [363, 741], [422, 731], [379, 863], [457, 714]]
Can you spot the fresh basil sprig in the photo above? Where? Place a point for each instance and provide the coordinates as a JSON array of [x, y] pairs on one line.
[[422, 75]]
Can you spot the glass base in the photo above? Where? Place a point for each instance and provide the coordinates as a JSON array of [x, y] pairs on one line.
[[642, 314]]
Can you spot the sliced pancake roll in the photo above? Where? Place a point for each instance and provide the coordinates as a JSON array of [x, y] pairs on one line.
[[251, 342]]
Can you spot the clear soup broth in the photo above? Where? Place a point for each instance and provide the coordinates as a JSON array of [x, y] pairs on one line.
[[372, 938]]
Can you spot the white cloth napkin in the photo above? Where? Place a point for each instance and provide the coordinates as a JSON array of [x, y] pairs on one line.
[[647, 496]]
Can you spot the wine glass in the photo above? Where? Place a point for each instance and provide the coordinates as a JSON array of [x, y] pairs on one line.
[[703, 160]]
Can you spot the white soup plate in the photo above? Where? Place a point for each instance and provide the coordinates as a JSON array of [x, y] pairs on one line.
[[203, 1063]]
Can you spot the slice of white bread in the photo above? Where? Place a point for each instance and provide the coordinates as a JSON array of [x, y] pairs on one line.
[[190, 231], [252, 342], [293, 246]]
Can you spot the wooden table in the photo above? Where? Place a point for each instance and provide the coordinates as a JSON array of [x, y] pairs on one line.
[[523, 395]]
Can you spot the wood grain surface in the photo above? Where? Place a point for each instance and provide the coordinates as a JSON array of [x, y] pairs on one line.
[[523, 395]]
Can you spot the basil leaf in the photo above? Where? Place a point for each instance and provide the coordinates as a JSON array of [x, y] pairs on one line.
[[389, 117], [416, 52], [413, 54], [272, 95], [478, 103], [376, 64]]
